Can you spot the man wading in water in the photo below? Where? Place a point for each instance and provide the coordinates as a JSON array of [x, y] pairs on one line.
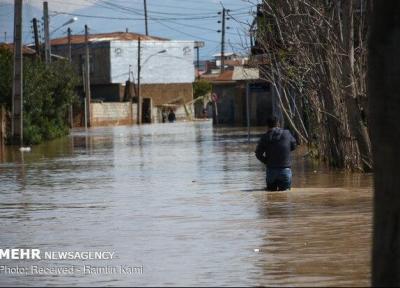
[[273, 150]]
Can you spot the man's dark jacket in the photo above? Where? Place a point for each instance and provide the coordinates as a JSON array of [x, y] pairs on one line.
[[274, 148]]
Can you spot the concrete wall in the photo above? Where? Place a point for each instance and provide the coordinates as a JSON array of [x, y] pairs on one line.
[[119, 113], [176, 65], [180, 113], [113, 113], [99, 60]]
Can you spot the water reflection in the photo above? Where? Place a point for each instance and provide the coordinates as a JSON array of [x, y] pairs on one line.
[[184, 200]]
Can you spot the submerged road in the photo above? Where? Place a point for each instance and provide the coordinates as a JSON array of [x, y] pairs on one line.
[[179, 204]]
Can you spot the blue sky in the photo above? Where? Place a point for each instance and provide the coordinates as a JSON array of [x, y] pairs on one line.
[[174, 19]]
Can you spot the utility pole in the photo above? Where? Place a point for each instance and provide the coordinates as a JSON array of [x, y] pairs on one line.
[[71, 113], [17, 100], [248, 110], [87, 77], [69, 45], [47, 45], [36, 37], [198, 62], [139, 96], [84, 98], [145, 18], [197, 46], [222, 31]]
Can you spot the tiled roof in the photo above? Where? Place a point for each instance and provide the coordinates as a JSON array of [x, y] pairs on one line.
[[121, 36], [225, 76], [25, 50]]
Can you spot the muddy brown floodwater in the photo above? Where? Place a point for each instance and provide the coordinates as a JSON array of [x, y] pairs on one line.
[[183, 202]]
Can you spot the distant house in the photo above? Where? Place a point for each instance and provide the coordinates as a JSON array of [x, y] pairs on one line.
[[230, 59], [26, 51], [229, 93], [167, 67], [202, 67]]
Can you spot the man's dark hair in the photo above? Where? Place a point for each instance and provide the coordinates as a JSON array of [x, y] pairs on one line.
[[272, 121]]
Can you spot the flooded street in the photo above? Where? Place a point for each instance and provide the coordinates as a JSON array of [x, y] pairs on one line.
[[183, 201]]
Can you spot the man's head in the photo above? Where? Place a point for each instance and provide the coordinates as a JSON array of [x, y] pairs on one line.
[[272, 122]]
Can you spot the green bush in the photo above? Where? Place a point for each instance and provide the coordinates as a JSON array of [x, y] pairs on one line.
[[48, 91], [201, 88], [6, 69]]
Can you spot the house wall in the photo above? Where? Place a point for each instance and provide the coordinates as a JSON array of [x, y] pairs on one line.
[[99, 59], [176, 65], [166, 77], [119, 113], [107, 92], [226, 107], [231, 103], [177, 93], [263, 103], [161, 94], [110, 61]]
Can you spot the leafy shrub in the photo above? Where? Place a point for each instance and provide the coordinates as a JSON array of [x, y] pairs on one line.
[[48, 91], [201, 88]]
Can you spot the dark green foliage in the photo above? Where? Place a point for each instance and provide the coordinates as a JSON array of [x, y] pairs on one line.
[[48, 91], [201, 88], [5, 77]]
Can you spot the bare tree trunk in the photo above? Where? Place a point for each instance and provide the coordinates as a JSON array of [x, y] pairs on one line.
[[311, 50], [356, 124], [384, 106]]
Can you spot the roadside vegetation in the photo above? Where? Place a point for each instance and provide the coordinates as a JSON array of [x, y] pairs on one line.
[[48, 91], [315, 57], [201, 88]]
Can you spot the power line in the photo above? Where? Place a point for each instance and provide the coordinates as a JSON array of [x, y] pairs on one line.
[[114, 6], [185, 8], [197, 27], [153, 19], [159, 16], [185, 33], [128, 18]]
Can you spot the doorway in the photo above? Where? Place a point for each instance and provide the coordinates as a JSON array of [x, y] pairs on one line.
[[146, 110]]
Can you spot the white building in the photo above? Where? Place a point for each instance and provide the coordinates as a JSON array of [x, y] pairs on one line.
[[167, 65]]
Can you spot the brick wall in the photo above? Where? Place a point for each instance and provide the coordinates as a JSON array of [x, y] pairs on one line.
[[168, 93], [160, 94]]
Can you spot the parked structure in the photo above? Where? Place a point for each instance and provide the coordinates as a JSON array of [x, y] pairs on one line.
[[167, 68]]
